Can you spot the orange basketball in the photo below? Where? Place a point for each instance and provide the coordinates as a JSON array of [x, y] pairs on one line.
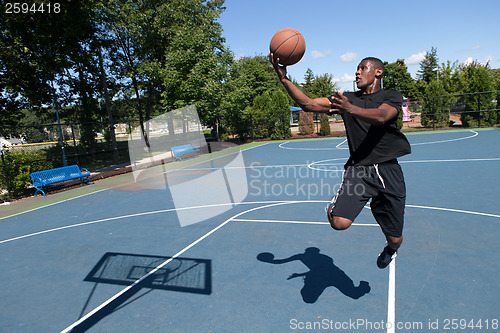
[[288, 45]]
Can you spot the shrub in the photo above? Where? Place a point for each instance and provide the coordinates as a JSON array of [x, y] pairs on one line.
[[271, 116], [306, 123], [324, 128], [20, 163]]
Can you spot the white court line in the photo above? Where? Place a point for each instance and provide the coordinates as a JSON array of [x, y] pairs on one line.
[[454, 210], [340, 144], [453, 160], [282, 146], [391, 298], [323, 165], [125, 290], [451, 140]]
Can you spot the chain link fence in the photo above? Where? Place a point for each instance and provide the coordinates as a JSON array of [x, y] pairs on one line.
[[466, 110]]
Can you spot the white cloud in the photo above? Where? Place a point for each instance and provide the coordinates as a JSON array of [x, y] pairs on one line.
[[347, 78], [468, 61], [239, 56], [349, 57], [415, 59], [474, 48], [319, 54]]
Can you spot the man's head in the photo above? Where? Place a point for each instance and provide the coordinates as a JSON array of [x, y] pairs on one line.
[[369, 74]]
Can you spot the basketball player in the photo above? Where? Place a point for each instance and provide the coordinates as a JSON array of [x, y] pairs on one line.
[[375, 143]]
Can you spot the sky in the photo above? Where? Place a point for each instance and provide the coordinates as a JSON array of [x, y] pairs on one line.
[[339, 34]]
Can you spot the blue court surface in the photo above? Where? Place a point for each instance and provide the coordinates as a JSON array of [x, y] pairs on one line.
[[167, 251]]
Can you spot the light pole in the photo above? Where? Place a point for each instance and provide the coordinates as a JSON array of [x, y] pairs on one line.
[[64, 159], [437, 72]]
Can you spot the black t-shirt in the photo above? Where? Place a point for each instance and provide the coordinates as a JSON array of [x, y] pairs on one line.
[[370, 144]]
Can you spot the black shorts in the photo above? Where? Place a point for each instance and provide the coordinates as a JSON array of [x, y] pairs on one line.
[[382, 183]]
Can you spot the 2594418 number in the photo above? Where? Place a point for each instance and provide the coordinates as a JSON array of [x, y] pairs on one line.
[[32, 8], [464, 324]]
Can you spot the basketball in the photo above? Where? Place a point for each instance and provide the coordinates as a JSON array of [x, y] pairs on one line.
[[265, 257], [288, 45]]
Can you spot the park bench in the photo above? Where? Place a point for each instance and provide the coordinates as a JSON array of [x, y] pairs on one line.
[[47, 178], [187, 149]]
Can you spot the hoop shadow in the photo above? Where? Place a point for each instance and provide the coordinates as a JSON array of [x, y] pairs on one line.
[[321, 275], [141, 271]]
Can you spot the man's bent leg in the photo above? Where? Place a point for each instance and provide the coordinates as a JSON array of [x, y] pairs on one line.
[[337, 222]]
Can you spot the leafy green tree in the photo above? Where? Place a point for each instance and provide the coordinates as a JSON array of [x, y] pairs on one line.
[[271, 115], [260, 112], [279, 120], [323, 86], [474, 77], [436, 106], [318, 85], [397, 77], [448, 75], [196, 60], [248, 77], [169, 54], [42, 49]]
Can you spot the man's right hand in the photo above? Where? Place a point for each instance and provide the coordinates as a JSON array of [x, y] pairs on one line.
[[280, 69]]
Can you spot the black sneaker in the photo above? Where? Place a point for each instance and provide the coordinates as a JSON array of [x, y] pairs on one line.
[[384, 258]]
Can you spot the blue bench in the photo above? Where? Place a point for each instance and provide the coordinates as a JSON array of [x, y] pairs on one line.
[[187, 149], [43, 179]]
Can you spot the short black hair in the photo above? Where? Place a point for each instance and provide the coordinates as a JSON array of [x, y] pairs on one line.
[[377, 63]]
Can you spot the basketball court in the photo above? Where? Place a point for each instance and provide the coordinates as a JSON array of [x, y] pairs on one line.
[[168, 252]]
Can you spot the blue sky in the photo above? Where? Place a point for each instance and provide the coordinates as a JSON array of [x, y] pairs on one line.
[[339, 34]]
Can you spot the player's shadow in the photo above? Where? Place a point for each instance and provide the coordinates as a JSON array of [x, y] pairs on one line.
[[322, 274]]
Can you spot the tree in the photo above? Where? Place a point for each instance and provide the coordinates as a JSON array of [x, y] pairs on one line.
[[436, 106], [397, 77], [196, 60], [308, 80], [318, 85], [248, 77], [168, 53], [271, 115], [323, 86], [40, 50], [448, 75], [475, 77], [428, 66]]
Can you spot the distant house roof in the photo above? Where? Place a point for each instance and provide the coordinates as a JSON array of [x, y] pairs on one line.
[[294, 108]]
